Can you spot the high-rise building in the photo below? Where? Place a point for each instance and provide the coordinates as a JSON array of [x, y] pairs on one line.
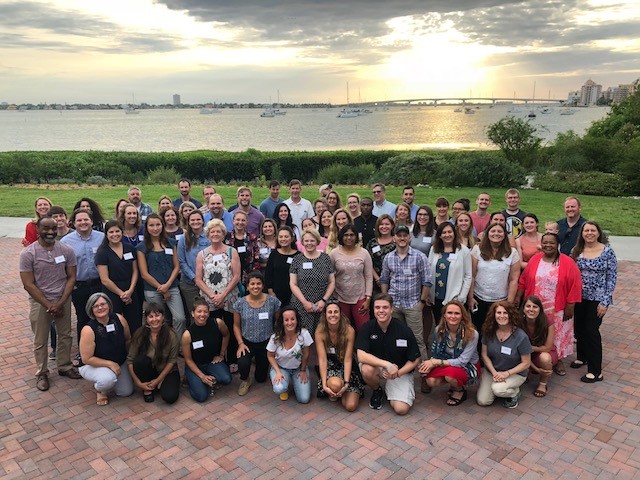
[[621, 92], [176, 100], [590, 93], [573, 98]]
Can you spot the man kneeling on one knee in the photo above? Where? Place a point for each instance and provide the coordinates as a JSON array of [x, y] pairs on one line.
[[387, 350]]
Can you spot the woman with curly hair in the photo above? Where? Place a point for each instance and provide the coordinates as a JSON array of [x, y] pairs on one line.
[[288, 355], [454, 354], [506, 353], [339, 374]]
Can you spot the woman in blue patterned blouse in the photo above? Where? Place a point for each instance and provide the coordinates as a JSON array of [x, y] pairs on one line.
[[598, 266]]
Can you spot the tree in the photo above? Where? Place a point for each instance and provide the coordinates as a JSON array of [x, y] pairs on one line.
[[516, 138]]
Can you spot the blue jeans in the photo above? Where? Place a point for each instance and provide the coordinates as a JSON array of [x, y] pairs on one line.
[[302, 390], [198, 390], [174, 304]]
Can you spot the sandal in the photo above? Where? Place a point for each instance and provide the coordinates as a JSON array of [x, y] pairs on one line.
[[559, 368], [102, 399], [591, 378], [454, 402], [541, 390], [577, 364]]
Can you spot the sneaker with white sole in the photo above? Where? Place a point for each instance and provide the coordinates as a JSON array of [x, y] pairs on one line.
[[512, 402], [376, 399]]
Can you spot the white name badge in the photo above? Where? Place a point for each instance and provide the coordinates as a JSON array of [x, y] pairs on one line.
[[505, 350], [111, 327], [128, 256], [144, 218], [401, 342], [242, 249], [426, 239], [140, 238], [406, 271], [198, 344], [168, 251], [264, 251], [376, 249], [332, 350], [452, 256], [59, 259], [263, 316], [290, 260], [94, 249], [217, 258], [307, 265]]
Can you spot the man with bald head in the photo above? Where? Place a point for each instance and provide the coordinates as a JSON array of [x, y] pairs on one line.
[[217, 210]]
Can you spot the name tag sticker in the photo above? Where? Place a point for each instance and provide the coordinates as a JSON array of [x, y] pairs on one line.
[[426, 239], [141, 238], [290, 260], [407, 271], [168, 251], [307, 265], [59, 259], [332, 350], [217, 258], [264, 250], [111, 327], [242, 249], [94, 249], [401, 342], [505, 350], [198, 344], [128, 256], [263, 316], [376, 249], [144, 218], [452, 256]]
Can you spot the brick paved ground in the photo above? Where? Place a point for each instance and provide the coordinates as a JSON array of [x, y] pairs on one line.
[[577, 431]]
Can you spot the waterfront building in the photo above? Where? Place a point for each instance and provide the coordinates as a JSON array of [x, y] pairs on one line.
[[176, 100], [590, 93]]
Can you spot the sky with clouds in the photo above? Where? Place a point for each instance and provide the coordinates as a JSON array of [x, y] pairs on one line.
[[236, 50]]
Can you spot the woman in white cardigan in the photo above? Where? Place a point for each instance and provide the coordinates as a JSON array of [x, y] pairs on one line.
[[450, 264]]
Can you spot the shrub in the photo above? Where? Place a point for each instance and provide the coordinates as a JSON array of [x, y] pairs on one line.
[[516, 138], [584, 183], [346, 174], [97, 180], [480, 169], [408, 168], [166, 175]]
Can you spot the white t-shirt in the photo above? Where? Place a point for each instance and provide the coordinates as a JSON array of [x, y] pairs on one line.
[[299, 211], [492, 277], [292, 358]]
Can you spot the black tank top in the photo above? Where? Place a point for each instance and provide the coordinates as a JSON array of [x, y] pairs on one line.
[[206, 341], [110, 342]]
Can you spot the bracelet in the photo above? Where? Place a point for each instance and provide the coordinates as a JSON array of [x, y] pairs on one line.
[[441, 363], [325, 301]]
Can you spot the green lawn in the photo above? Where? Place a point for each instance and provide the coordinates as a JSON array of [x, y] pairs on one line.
[[617, 215]]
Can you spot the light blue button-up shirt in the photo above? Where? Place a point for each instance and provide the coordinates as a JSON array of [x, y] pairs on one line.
[[85, 250]]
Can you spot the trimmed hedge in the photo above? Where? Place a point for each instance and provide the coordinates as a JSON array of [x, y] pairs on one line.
[[584, 183]]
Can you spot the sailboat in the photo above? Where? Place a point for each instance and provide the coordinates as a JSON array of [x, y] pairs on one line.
[[348, 112], [131, 108], [532, 114]]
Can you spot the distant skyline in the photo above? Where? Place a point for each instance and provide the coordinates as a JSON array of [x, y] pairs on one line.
[[84, 51]]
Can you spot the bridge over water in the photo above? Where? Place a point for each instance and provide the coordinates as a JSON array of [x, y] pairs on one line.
[[461, 101]]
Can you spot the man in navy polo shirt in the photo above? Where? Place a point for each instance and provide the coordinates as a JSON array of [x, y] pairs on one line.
[[387, 349]]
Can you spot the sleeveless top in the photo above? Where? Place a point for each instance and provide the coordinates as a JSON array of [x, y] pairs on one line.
[[206, 341], [529, 248], [217, 275], [110, 343]]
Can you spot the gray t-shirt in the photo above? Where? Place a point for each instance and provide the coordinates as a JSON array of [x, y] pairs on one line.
[[506, 355], [49, 267]]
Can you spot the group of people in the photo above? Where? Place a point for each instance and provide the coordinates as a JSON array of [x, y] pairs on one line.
[[353, 290]]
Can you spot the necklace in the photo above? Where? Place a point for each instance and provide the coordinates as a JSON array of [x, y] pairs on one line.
[[502, 336], [450, 342]]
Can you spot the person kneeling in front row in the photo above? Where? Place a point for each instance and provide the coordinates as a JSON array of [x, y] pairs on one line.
[[203, 347], [454, 356], [387, 349]]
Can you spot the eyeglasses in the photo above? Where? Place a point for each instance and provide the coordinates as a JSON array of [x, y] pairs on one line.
[[100, 305], [422, 215]]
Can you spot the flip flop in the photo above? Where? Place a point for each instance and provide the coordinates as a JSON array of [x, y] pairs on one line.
[[539, 393]]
